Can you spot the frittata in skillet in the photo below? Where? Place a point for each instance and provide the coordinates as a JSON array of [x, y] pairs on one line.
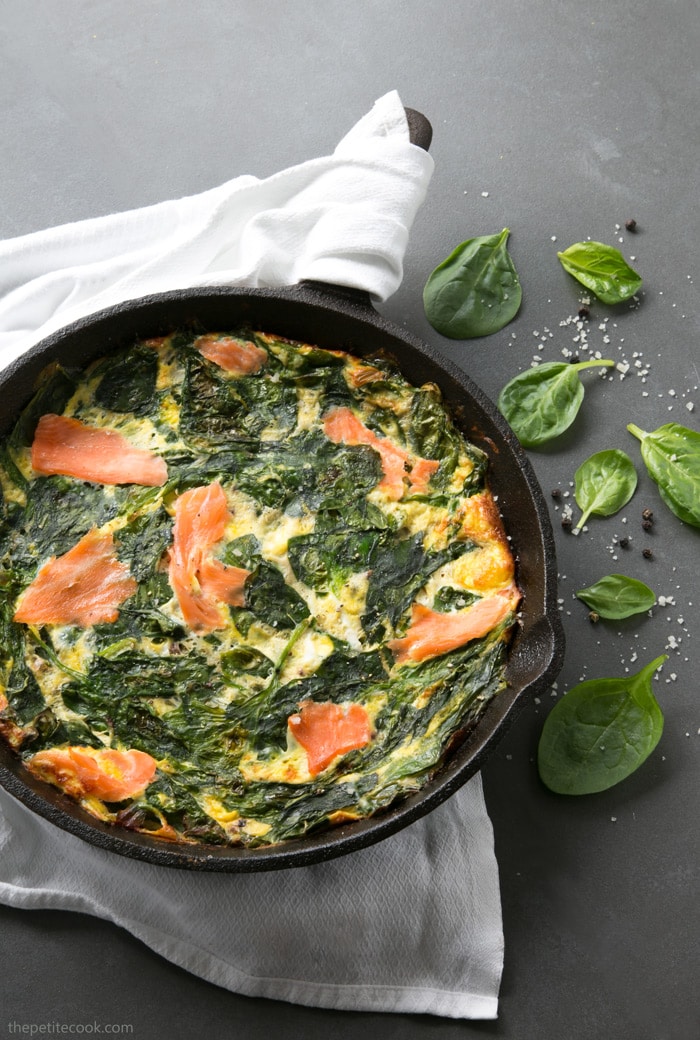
[[249, 587]]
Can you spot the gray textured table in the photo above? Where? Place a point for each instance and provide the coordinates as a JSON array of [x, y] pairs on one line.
[[560, 121]]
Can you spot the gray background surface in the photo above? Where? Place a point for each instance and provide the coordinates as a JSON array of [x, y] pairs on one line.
[[573, 118]]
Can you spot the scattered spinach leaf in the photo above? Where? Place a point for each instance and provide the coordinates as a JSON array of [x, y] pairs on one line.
[[671, 455], [602, 269], [616, 596], [600, 732], [475, 291], [604, 483], [542, 402]]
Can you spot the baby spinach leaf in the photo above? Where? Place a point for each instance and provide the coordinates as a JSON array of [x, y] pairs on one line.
[[475, 291], [600, 732], [542, 402], [616, 596], [671, 455], [602, 269], [604, 483]]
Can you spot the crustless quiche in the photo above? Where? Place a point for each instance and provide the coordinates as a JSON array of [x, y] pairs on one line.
[[248, 587]]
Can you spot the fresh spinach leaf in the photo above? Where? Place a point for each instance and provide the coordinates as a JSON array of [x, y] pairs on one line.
[[602, 269], [475, 291], [616, 596], [600, 732], [604, 483], [542, 402], [671, 455]]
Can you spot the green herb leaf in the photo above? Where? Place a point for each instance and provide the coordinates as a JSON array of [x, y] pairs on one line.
[[475, 291], [600, 732], [671, 455], [616, 596], [542, 402], [604, 483], [602, 269]]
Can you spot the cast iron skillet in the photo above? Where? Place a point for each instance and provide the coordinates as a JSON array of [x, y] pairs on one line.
[[344, 319]]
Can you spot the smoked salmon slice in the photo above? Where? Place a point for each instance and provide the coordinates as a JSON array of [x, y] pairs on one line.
[[84, 587], [107, 774], [74, 449], [431, 633], [238, 356], [201, 583], [326, 730], [342, 426]]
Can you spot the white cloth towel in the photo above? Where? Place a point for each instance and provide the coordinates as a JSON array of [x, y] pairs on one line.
[[412, 924]]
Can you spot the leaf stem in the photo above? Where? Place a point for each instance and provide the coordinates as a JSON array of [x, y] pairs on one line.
[[639, 434], [584, 517], [592, 364]]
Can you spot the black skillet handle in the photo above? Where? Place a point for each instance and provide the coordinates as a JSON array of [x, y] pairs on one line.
[[420, 133]]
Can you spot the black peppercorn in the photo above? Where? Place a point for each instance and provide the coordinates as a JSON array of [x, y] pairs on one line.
[[647, 554], [556, 493], [574, 359], [647, 525], [593, 617], [584, 313], [566, 523], [647, 514], [624, 543], [631, 225]]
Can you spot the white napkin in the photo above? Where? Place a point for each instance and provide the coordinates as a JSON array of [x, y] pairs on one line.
[[412, 924]]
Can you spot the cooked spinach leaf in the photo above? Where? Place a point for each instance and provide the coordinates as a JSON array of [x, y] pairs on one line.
[[59, 511], [399, 570], [142, 543], [448, 599], [52, 396], [216, 411], [128, 381], [325, 560]]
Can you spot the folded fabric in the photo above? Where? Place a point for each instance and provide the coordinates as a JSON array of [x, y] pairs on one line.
[[412, 924], [342, 219]]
